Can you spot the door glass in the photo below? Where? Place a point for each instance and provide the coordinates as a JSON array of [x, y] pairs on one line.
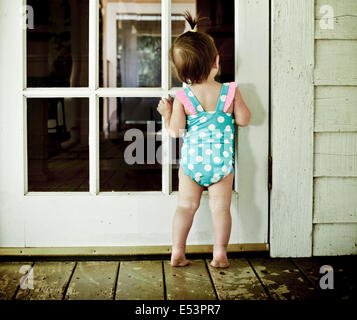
[[130, 145], [130, 43], [57, 144], [57, 44], [220, 25]]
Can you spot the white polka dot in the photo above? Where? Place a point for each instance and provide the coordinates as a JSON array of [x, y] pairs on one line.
[[224, 168], [225, 154], [232, 120], [232, 136], [190, 166], [197, 179], [202, 134], [198, 174], [191, 151], [194, 128], [199, 108], [219, 135], [230, 162], [216, 175], [199, 159], [208, 151], [226, 141], [209, 140], [188, 121], [211, 127], [230, 149], [184, 159], [187, 134], [206, 184], [203, 119], [228, 128], [217, 159], [200, 145], [193, 140], [223, 97], [190, 94], [217, 146], [214, 180], [220, 119], [207, 167], [194, 115]]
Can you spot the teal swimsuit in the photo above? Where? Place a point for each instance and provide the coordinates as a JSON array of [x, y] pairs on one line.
[[207, 152]]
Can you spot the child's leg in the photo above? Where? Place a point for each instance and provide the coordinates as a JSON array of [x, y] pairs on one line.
[[220, 196], [188, 203]]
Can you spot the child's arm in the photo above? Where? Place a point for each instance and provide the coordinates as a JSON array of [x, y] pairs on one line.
[[241, 111], [174, 115]]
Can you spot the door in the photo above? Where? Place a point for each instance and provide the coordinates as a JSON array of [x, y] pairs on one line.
[[86, 161]]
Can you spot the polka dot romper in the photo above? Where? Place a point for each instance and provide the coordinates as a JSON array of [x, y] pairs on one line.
[[207, 152]]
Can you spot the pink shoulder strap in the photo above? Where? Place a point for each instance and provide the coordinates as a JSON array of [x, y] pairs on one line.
[[181, 95], [230, 95]]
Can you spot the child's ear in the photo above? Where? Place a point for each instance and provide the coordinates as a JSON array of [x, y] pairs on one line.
[[216, 62]]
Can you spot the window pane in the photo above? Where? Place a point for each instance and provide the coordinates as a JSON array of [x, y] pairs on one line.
[[130, 53], [220, 25], [130, 145], [57, 45], [57, 144]]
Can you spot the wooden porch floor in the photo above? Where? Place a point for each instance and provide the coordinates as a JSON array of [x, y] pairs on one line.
[[247, 278]]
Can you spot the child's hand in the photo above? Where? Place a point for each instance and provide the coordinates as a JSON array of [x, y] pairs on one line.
[[165, 107]]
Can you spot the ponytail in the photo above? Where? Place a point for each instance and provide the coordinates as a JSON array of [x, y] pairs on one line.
[[193, 22]]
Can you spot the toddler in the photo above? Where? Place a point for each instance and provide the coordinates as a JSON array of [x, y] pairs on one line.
[[210, 111]]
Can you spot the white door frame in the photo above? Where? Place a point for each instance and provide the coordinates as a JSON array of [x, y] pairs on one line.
[[108, 219]]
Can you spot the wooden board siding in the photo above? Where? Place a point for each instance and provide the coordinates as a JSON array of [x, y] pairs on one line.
[[336, 62], [335, 239], [344, 19], [335, 130], [335, 200], [335, 108], [292, 103]]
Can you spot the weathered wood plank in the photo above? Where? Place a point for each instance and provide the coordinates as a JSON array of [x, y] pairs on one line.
[[188, 283], [50, 280], [283, 280], [344, 19], [334, 201], [292, 63], [344, 278], [335, 108], [336, 62], [140, 280], [10, 277], [238, 282], [335, 154], [93, 280], [335, 239]]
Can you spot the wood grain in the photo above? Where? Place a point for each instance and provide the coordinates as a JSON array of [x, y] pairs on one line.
[[344, 19], [10, 278], [140, 280], [188, 283], [334, 201], [93, 280], [283, 280], [335, 108], [292, 64], [335, 154], [50, 280], [336, 62], [238, 282], [335, 239]]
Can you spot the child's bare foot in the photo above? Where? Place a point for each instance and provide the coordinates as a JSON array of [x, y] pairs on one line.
[[178, 259], [220, 263], [220, 259]]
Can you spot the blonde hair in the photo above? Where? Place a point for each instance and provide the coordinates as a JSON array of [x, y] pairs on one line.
[[193, 53]]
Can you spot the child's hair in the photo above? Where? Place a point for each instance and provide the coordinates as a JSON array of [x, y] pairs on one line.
[[193, 53]]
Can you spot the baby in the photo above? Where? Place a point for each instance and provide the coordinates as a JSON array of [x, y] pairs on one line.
[[210, 110]]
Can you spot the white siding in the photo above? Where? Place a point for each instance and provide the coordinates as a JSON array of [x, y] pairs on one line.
[[335, 126]]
